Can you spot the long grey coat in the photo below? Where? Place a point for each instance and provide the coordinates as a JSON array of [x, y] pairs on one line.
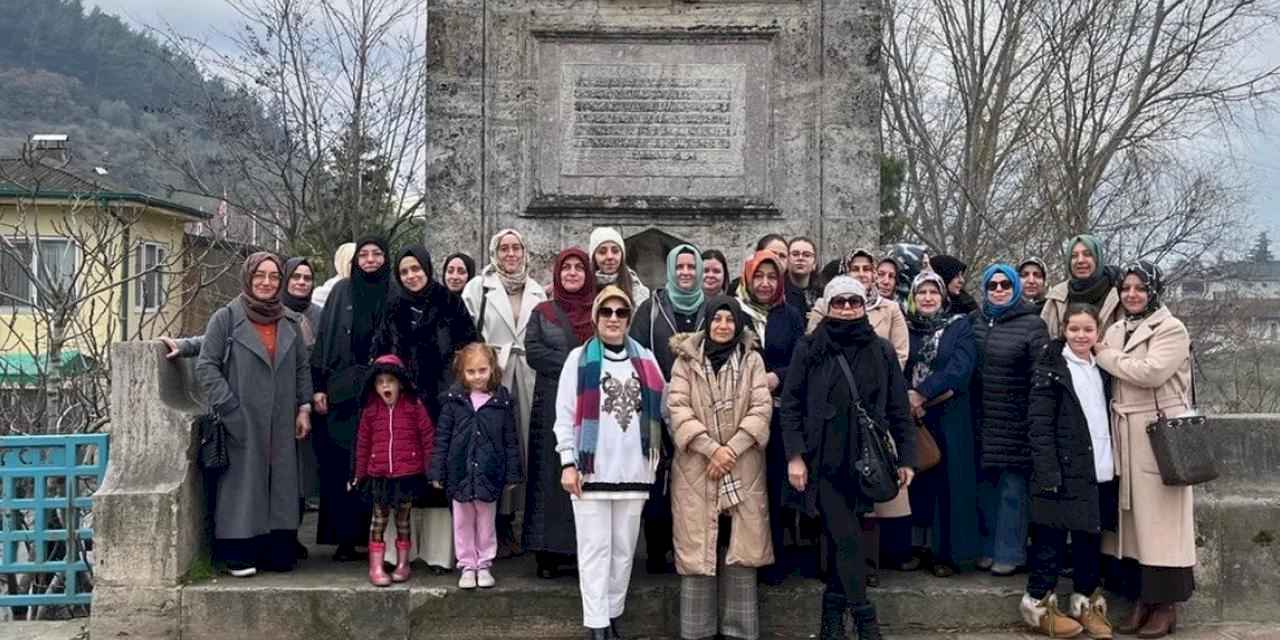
[[258, 400]]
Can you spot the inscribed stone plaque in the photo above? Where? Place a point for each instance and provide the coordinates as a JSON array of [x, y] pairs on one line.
[[624, 120], [652, 119]]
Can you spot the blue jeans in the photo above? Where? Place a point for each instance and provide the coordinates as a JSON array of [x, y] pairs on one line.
[[1003, 513]]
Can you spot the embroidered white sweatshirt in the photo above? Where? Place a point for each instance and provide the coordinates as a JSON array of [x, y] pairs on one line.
[[621, 467]]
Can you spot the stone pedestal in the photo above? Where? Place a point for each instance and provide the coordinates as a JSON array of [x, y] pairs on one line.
[[149, 512], [711, 122]]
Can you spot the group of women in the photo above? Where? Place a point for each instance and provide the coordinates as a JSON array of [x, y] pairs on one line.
[[724, 414]]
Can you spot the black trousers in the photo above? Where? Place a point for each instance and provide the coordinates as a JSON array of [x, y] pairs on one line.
[[842, 526], [271, 552], [780, 516], [344, 515], [1049, 552]]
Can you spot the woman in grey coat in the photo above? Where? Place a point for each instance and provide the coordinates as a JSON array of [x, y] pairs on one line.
[[254, 368]]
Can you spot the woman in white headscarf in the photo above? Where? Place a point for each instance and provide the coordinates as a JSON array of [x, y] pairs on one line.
[[341, 269], [608, 253], [501, 300]]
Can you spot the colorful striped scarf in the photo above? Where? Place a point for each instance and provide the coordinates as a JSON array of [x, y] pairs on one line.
[[586, 418]]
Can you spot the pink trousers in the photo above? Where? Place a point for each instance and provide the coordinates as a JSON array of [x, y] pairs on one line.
[[474, 537]]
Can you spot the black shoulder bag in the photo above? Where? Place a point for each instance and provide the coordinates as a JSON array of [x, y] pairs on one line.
[[212, 455], [876, 465]]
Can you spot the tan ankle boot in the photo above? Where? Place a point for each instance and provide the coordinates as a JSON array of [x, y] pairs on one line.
[[1044, 617], [1091, 612]]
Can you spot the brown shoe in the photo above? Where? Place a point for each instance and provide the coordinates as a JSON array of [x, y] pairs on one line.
[[1163, 620], [1044, 617], [1091, 612], [1137, 618]]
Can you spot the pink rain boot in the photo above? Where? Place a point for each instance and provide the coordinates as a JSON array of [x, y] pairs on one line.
[[402, 571], [377, 575]]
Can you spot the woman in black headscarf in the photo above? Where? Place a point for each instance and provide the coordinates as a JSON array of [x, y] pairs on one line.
[[339, 364], [952, 271], [458, 269]]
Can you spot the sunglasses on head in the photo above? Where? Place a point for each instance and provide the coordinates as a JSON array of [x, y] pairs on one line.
[[846, 302], [999, 285], [621, 313]]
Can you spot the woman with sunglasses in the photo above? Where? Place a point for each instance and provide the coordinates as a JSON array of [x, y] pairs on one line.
[[1148, 355], [609, 437], [821, 436], [1009, 336]]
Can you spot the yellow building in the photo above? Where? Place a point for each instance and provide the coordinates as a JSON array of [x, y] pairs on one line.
[[85, 259]]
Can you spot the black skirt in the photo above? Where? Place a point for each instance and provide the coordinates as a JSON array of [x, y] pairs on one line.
[[393, 492]]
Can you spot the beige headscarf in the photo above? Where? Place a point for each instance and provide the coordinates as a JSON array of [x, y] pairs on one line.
[[513, 283], [342, 259]]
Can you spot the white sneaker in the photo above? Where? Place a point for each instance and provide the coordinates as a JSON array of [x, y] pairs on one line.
[[243, 572], [468, 579], [484, 579]]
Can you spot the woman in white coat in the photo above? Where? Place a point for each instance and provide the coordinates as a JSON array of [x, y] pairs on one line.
[[501, 300]]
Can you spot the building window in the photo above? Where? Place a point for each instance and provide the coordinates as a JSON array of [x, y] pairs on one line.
[[149, 262], [52, 264]]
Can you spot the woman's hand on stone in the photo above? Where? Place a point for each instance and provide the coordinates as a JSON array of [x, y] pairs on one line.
[[571, 481], [321, 403], [905, 476], [797, 474], [170, 344]]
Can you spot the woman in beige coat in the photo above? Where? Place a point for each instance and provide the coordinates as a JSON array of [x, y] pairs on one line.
[[720, 410], [1148, 355]]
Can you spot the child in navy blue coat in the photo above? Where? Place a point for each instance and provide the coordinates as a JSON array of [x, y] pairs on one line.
[[476, 457]]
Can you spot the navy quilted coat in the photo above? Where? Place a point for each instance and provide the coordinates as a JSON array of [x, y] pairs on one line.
[[477, 452]]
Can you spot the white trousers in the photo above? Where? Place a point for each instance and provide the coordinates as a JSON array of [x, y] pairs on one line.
[[431, 540], [607, 534]]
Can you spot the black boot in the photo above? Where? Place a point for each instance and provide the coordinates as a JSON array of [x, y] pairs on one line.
[[833, 606], [614, 630], [597, 634], [868, 626]]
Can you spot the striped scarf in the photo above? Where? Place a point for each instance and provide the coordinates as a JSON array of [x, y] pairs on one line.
[[724, 386], [586, 417]]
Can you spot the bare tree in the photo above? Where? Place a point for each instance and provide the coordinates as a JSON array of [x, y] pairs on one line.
[[326, 136], [1026, 121]]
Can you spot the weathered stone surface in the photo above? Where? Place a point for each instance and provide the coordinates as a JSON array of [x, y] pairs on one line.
[[135, 612], [711, 122]]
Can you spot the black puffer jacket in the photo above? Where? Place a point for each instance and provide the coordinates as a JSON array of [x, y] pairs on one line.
[[1064, 482], [477, 452], [1007, 350]]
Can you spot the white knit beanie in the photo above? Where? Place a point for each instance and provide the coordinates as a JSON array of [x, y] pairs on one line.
[[601, 235], [844, 286]]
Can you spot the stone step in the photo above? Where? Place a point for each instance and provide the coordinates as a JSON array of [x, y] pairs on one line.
[[324, 599]]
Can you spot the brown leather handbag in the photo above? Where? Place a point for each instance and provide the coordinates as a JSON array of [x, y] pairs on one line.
[[928, 455]]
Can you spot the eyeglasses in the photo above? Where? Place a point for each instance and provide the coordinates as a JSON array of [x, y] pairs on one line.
[[621, 313], [259, 276], [999, 285], [846, 302], [803, 254]]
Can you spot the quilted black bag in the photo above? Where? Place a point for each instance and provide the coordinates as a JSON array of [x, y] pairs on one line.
[[877, 463], [1182, 447], [212, 453]]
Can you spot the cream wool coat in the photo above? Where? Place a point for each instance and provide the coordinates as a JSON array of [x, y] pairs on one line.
[[1055, 307], [505, 333], [693, 493], [1157, 525]]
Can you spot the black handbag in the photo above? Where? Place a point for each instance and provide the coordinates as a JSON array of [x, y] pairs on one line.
[[876, 466], [212, 453], [1182, 446]]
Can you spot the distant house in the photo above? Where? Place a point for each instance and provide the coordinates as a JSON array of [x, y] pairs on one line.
[[1231, 299], [70, 235]]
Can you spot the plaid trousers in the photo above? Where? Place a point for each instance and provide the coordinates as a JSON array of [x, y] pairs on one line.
[[725, 604]]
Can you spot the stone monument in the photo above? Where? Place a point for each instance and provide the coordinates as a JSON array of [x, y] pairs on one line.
[[711, 122]]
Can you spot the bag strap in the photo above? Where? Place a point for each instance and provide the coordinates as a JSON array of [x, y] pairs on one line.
[[484, 303], [848, 377]]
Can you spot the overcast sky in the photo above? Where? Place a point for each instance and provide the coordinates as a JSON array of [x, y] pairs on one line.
[[1256, 155]]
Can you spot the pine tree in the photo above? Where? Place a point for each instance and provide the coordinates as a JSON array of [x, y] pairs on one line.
[[1261, 251]]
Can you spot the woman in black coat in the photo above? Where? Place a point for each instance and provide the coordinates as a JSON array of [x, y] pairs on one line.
[[1009, 335], [556, 327], [340, 362], [761, 294], [821, 437], [425, 327]]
